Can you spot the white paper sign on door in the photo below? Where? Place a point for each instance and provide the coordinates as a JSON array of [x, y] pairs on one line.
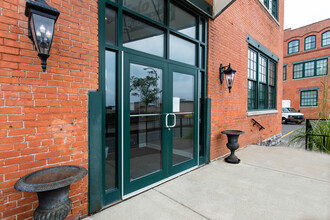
[[176, 104]]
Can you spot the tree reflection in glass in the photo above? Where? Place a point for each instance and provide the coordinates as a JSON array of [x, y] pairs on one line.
[[145, 120]]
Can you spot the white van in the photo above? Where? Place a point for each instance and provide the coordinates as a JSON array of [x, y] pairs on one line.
[[290, 114]]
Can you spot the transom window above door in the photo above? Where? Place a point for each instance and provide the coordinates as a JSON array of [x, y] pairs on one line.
[[146, 26]]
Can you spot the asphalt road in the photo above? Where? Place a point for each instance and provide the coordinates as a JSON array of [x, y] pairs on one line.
[[289, 130]]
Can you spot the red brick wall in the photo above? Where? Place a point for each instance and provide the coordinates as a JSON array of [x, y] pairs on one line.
[[43, 115], [291, 87], [227, 44]]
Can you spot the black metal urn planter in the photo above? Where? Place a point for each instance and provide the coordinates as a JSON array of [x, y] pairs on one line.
[[52, 186], [232, 144]]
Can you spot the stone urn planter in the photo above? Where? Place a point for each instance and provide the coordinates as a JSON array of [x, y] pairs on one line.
[[52, 186], [232, 144]]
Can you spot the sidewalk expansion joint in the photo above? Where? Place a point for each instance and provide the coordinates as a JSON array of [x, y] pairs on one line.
[[182, 204], [293, 174]]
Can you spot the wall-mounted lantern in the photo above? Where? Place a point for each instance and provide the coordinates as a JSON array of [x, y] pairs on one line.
[[229, 73], [42, 18]]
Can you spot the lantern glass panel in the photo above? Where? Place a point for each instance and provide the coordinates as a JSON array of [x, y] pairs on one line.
[[230, 79], [42, 29]]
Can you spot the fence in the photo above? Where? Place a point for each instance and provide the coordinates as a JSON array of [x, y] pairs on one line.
[[309, 130]]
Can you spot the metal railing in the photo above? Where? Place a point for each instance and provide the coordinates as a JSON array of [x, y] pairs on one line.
[[309, 129], [257, 123]]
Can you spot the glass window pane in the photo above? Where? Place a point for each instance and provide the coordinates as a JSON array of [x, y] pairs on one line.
[[251, 94], [293, 46], [262, 96], [326, 39], [252, 65], [310, 42], [182, 21], [145, 89], [284, 73], [202, 57], [111, 152], [153, 9], [202, 30], [145, 120], [262, 69], [145, 145], [321, 67], [110, 26], [297, 71], [183, 132], [272, 96], [182, 50], [308, 98], [272, 73], [309, 69], [140, 36]]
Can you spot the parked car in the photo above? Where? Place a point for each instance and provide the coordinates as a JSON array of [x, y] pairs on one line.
[[290, 114]]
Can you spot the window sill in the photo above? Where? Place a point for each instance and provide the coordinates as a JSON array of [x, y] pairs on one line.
[[261, 112], [313, 106]]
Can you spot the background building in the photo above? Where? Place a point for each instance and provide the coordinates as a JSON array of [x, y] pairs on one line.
[[132, 92], [306, 64]]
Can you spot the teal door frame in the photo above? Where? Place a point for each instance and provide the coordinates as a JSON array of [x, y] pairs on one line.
[[167, 105]]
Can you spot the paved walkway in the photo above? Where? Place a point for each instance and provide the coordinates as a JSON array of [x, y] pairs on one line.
[[269, 183]]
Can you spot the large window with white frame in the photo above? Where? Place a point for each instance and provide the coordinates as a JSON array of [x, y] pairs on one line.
[[261, 81], [326, 38]]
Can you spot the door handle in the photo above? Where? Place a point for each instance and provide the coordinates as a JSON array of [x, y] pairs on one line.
[[166, 121]]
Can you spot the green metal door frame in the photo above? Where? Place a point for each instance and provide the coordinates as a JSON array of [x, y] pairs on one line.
[[98, 196]]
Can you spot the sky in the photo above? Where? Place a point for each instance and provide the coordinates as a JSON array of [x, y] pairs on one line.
[[298, 13]]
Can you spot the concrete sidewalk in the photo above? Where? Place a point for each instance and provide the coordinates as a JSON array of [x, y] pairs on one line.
[[269, 183]]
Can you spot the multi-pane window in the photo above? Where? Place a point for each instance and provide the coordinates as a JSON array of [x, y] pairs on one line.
[[272, 6], [284, 72], [321, 67], [326, 39], [310, 68], [293, 47], [297, 70], [308, 98], [310, 42], [261, 81]]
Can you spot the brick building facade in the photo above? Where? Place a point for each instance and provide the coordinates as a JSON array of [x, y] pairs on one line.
[[306, 66], [68, 116], [229, 44]]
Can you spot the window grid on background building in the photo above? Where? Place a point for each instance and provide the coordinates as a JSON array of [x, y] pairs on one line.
[[293, 46], [326, 38], [261, 81], [310, 68], [308, 98], [310, 42], [284, 73]]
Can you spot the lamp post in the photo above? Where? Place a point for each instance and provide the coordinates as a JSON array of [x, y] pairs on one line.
[[229, 73], [42, 18]]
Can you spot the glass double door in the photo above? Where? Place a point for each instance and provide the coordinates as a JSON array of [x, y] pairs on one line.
[[160, 121]]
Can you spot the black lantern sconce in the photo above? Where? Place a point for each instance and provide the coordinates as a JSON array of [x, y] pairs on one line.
[[229, 73], [41, 24]]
